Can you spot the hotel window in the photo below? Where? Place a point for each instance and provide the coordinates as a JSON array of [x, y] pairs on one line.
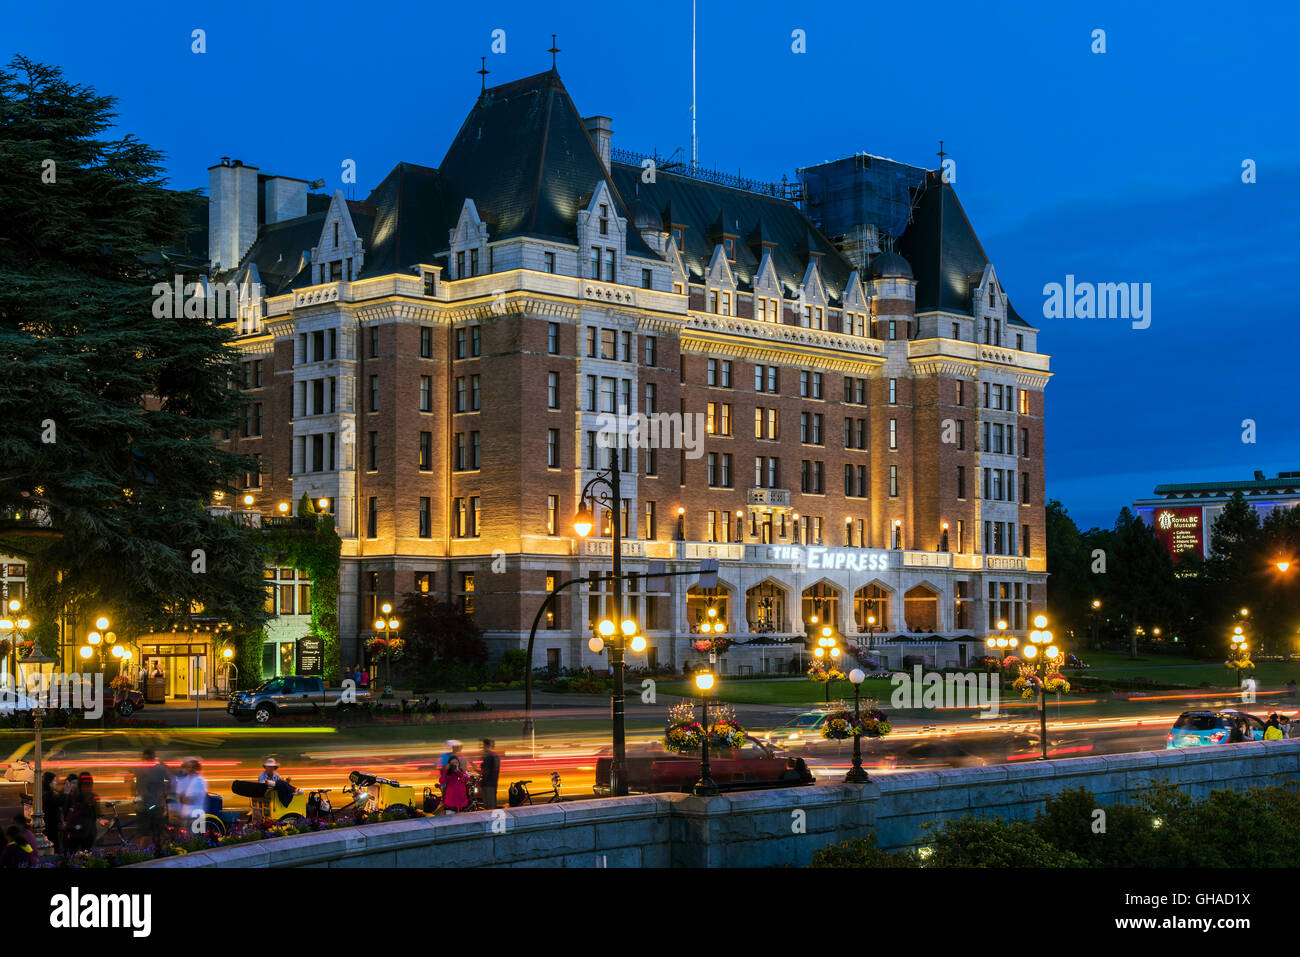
[[426, 393], [549, 260], [625, 396], [720, 470], [604, 220], [893, 329], [593, 461], [461, 394], [893, 433], [961, 435], [553, 338], [719, 418], [651, 398], [425, 516], [961, 392], [1024, 443], [552, 513], [609, 265], [651, 461], [374, 393], [475, 340], [804, 383], [426, 451], [961, 482], [893, 392], [459, 516], [426, 342], [374, 342], [552, 448], [647, 279], [1024, 488], [649, 529], [372, 462], [625, 347], [552, 390], [893, 481], [608, 389], [474, 447], [460, 343], [1024, 544], [372, 517], [467, 592], [961, 536], [423, 582], [678, 237], [593, 342], [1024, 402], [592, 389], [651, 351], [459, 443], [595, 262]]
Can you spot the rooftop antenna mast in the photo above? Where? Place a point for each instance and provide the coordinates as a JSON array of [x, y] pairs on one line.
[[695, 147]]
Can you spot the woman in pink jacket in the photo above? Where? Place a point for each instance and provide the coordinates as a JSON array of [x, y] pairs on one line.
[[455, 787]]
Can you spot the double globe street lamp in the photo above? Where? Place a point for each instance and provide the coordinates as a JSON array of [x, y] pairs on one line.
[[389, 626]]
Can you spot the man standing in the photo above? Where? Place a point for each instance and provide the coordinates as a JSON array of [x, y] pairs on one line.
[[151, 786], [489, 767]]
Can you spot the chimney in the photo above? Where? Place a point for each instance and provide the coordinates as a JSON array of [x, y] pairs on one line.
[[598, 127], [286, 198], [232, 212]]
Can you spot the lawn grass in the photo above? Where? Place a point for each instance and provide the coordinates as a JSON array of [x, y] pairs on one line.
[[1169, 669], [796, 693]]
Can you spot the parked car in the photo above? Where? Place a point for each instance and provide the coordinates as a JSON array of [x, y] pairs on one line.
[[937, 753], [292, 695], [127, 702], [653, 769], [1196, 728], [12, 701]]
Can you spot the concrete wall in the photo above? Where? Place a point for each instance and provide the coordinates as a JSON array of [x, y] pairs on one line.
[[757, 828]]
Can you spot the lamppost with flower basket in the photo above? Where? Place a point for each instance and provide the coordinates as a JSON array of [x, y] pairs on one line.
[[825, 661], [1239, 654], [684, 734], [390, 647], [856, 725], [16, 627], [1040, 671]]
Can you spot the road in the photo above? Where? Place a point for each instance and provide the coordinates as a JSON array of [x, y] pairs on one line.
[[570, 736]]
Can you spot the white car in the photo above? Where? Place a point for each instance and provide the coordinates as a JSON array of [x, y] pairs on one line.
[[11, 701]]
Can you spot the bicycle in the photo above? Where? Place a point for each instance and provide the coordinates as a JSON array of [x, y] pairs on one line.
[[519, 795]]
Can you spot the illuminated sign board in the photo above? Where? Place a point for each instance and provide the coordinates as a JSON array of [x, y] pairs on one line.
[[1180, 529]]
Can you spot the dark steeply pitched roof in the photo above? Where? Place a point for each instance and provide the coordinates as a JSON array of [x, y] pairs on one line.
[[413, 213], [524, 156], [696, 205], [944, 252]]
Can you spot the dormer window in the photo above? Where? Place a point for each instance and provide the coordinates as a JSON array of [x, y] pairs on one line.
[[473, 262], [336, 271], [604, 220], [336, 235], [678, 234], [460, 265], [730, 246], [992, 302]]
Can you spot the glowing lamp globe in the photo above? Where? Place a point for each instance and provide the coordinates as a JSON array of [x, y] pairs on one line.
[[835, 652], [101, 623], [85, 651], [704, 681], [606, 628], [582, 523], [596, 643], [638, 643], [1040, 621], [819, 652], [629, 627], [1031, 651], [856, 676], [1053, 651]]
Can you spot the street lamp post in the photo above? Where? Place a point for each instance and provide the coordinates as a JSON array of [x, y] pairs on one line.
[[42, 664], [17, 627], [705, 787], [856, 774], [827, 650], [1041, 656], [390, 625], [582, 523]]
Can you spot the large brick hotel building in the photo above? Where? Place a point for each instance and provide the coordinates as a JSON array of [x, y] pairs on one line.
[[436, 359]]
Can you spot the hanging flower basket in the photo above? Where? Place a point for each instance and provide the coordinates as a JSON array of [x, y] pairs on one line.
[[1056, 684], [1240, 664], [716, 646], [822, 673], [842, 725], [683, 736], [1010, 661], [726, 733]]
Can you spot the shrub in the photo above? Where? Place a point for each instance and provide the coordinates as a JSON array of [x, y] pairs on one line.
[[511, 665], [861, 852]]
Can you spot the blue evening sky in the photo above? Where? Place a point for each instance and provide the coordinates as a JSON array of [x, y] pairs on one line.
[[1117, 167]]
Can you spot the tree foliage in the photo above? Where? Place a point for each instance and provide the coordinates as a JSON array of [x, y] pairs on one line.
[[110, 412]]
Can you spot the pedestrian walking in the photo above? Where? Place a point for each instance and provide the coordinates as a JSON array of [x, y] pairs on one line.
[[455, 786], [18, 852], [363, 678], [81, 817], [151, 787], [1273, 729], [489, 769], [192, 795], [52, 808]]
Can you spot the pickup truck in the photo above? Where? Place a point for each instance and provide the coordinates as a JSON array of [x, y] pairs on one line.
[[292, 695]]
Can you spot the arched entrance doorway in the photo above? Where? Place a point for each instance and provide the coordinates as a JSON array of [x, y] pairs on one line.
[[921, 610], [821, 605], [765, 608], [699, 601], [871, 609]]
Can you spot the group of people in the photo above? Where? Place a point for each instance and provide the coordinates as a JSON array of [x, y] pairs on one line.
[[71, 811], [454, 777], [1276, 728], [156, 782], [360, 675]]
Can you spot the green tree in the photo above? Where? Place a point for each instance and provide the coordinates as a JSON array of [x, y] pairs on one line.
[[1140, 579], [110, 410], [1070, 585]]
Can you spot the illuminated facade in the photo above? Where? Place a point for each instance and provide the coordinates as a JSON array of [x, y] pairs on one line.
[[441, 363]]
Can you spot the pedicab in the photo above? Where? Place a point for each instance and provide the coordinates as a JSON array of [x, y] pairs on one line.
[[372, 794], [282, 803]]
